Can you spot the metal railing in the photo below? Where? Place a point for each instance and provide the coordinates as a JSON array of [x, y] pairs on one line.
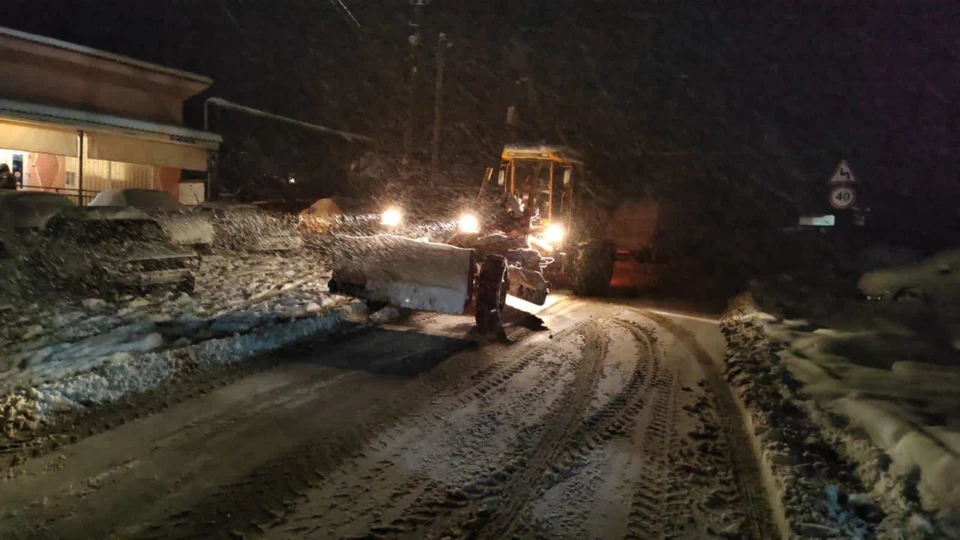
[[81, 197]]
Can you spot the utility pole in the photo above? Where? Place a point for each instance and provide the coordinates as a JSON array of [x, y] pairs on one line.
[[442, 44], [415, 42]]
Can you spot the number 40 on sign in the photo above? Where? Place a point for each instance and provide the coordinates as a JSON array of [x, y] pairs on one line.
[[842, 197]]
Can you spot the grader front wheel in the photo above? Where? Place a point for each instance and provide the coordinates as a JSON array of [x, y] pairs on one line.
[[491, 294]]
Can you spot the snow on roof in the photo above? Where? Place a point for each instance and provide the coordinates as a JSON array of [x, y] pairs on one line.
[[537, 147], [104, 55], [541, 150]]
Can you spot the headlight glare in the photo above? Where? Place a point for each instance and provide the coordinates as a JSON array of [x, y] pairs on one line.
[[468, 223], [391, 217], [555, 234]]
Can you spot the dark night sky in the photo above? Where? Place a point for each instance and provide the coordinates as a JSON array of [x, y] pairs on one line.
[[757, 100]]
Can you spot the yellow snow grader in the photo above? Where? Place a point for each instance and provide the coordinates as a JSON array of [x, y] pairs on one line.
[[519, 238]]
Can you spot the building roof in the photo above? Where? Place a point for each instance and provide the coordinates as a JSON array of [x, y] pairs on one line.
[[32, 112], [104, 55]]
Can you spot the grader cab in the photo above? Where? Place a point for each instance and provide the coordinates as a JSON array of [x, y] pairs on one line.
[[541, 177]]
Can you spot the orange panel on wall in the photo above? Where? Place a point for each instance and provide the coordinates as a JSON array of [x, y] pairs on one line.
[[168, 179], [47, 170]]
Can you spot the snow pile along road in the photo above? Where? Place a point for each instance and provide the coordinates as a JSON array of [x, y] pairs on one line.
[[125, 374], [863, 421], [57, 352], [47, 335]]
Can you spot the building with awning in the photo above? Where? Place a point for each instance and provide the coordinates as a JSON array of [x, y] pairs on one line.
[[78, 121]]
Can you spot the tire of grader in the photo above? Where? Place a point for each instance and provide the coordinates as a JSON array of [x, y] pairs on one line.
[[593, 268], [491, 294]]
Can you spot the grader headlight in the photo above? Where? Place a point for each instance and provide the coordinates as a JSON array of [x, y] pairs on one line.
[[469, 224], [391, 217], [555, 234]]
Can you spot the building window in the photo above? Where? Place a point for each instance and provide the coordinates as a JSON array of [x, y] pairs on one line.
[[100, 175], [70, 180]]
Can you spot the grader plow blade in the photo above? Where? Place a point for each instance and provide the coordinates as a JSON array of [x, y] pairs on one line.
[[404, 272]]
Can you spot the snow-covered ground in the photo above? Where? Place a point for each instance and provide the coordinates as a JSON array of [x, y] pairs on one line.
[[44, 335], [880, 384], [62, 351]]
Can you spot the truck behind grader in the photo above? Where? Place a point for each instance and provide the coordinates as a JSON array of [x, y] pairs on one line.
[[521, 237]]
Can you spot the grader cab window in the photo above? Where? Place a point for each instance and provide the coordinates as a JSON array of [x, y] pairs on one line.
[[548, 184]]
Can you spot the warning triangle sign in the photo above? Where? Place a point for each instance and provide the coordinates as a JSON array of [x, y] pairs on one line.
[[843, 174]]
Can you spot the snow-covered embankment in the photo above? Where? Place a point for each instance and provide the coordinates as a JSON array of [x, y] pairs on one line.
[[840, 458]]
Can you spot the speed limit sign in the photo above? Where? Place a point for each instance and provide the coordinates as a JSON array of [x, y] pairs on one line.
[[842, 197]]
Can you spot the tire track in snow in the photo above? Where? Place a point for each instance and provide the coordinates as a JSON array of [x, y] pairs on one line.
[[477, 386], [680, 487], [442, 510], [268, 492], [733, 439], [614, 417], [612, 420], [508, 491], [647, 409], [558, 432], [648, 508]]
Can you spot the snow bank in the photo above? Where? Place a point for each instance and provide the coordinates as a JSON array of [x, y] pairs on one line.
[[937, 277], [901, 392], [45, 335], [126, 374], [930, 287], [816, 499], [883, 402], [58, 351]]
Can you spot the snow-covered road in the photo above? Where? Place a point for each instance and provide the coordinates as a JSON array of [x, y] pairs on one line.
[[609, 422]]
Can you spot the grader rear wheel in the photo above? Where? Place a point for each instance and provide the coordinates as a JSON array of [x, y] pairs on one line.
[[491, 293], [593, 268]]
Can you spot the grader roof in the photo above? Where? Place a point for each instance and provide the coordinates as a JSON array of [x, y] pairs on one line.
[[547, 152]]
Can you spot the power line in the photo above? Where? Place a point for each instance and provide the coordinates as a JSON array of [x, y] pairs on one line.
[[347, 14], [220, 102]]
